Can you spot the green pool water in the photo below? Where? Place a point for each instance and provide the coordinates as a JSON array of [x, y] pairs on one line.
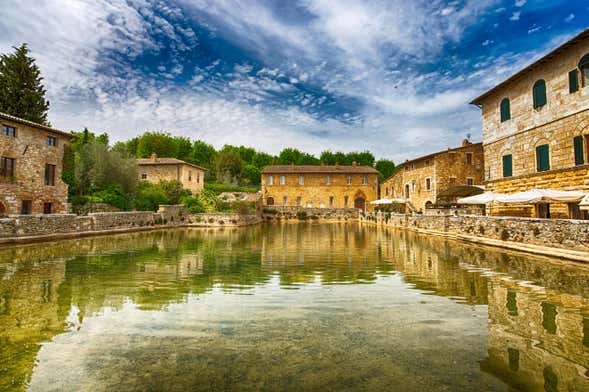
[[317, 307]]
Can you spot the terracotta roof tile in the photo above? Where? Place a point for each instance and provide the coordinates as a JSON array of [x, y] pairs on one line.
[[9, 117], [166, 161], [318, 169]]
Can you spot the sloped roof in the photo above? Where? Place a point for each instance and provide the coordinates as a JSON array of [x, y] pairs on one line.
[[166, 161], [9, 117], [285, 169], [579, 38]]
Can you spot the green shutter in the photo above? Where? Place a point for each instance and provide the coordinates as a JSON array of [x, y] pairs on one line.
[[578, 142], [573, 81], [542, 158], [505, 110], [539, 93], [507, 166]]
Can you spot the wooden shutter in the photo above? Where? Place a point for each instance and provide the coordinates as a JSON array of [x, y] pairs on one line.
[[573, 81], [539, 93], [507, 166], [505, 110], [578, 143], [542, 158]]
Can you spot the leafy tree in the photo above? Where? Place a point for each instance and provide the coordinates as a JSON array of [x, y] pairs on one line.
[[149, 197], [292, 155], [364, 158], [228, 167], [184, 146], [174, 191], [21, 90], [261, 160], [203, 154], [385, 167], [251, 174], [163, 144]]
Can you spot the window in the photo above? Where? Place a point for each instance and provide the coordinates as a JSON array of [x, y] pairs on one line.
[[270, 180], [584, 67], [47, 208], [452, 180], [8, 131], [386, 191], [469, 158], [189, 175], [578, 146], [507, 165], [549, 314], [573, 81], [282, 180], [328, 180], [26, 207], [513, 355], [6, 167], [198, 178], [301, 180], [299, 201], [364, 180], [331, 200], [428, 184], [51, 141], [469, 181], [49, 175], [542, 158], [539, 93], [346, 199], [144, 176], [505, 110], [349, 180], [284, 200], [270, 201]]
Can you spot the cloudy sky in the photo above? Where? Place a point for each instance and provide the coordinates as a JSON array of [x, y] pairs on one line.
[[391, 76]]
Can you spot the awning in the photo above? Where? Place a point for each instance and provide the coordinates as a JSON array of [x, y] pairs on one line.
[[584, 204], [483, 198], [535, 196], [387, 201]]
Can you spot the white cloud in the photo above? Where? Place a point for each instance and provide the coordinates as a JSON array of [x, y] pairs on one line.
[[570, 18], [520, 3], [515, 16]]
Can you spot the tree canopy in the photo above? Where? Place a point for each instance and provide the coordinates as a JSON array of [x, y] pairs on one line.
[[21, 90]]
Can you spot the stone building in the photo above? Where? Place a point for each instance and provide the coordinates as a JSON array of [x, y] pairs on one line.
[[319, 186], [420, 180], [154, 169], [31, 164], [536, 129]]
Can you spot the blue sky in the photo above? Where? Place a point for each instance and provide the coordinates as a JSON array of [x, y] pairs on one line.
[[391, 76]]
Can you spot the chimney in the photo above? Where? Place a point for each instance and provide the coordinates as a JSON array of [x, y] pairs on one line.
[[466, 142], [354, 163], [153, 157]]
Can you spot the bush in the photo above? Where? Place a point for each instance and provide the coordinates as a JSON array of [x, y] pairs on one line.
[[149, 197], [193, 204], [217, 188]]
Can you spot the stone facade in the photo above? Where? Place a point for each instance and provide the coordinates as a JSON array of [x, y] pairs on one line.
[[320, 186], [155, 170], [35, 152], [421, 180], [564, 116]]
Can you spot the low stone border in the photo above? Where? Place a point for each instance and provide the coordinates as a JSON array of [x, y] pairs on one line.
[[567, 239]]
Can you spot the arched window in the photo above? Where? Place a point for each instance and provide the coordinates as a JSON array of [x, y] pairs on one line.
[[270, 201], [584, 67], [539, 92], [505, 110]]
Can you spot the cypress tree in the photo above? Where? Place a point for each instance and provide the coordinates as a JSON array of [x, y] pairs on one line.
[[21, 92]]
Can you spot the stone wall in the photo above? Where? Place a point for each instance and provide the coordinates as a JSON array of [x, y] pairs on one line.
[[89, 208], [23, 228], [31, 153], [316, 192], [288, 213], [556, 233], [442, 170]]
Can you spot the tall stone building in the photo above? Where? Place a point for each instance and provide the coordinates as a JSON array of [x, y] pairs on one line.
[[420, 180], [31, 165], [319, 186], [536, 129], [155, 170]]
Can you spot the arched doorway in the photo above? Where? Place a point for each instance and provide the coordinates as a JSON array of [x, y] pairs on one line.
[[429, 204], [360, 203], [270, 201]]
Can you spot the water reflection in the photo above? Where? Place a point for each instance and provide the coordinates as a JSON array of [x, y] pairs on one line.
[[289, 307]]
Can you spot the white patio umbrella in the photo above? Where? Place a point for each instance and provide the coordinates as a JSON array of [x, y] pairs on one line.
[[584, 204], [387, 201], [483, 198], [535, 196]]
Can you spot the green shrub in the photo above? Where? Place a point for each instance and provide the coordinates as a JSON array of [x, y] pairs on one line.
[[193, 204], [218, 188], [149, 197]]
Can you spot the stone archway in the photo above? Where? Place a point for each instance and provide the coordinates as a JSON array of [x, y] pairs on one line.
[[360, 200]]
